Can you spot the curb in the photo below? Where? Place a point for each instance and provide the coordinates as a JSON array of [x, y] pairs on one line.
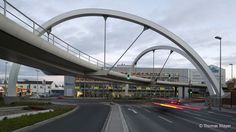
[[11, 108], [24, 113], [104, 128], [123, 122], [125, 127], [31, 127]]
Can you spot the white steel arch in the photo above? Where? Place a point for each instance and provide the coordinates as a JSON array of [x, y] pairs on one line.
[[165, 47], [144, 22]]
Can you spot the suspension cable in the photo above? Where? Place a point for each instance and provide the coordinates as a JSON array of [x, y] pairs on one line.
[[159, 74], [144, 29]]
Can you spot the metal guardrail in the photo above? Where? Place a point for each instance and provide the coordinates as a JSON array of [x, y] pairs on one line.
[[51, 38]]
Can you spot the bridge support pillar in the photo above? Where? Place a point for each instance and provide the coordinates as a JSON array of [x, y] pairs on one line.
[[183, 92], [13, 77], [176, 91], [126, 89], [69, 86]]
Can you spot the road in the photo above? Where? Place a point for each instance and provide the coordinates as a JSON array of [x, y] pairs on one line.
[[88, 118], [142, 118]]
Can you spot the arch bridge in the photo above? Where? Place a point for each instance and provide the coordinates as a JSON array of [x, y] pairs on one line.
[[47, 27]]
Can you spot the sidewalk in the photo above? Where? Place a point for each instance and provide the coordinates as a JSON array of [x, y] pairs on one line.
[[225, 108], [116, 121]]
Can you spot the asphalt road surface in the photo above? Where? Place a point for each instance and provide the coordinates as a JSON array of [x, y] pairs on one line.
[[141, 118], [88, 118]]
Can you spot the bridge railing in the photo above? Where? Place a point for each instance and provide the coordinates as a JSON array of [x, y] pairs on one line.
[[10, 11]]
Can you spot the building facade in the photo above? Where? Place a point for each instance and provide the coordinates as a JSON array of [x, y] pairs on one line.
[[34, 87], [171, 74], [95, 88]]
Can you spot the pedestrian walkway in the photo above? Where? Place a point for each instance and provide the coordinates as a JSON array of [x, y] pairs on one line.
[[116, 121]]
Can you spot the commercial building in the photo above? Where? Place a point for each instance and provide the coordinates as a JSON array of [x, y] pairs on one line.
[[94, 88], [34, 87], [27, 87], [171, 74]]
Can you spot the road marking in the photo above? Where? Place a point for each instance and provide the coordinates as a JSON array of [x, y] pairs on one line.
[[211, 112], [219, 114], [124, 124], [206, 120], [147, 110], [215, 118], [189, 121], [192, 122], [212, 122], [192, 113], [133, 110], [163, 118]]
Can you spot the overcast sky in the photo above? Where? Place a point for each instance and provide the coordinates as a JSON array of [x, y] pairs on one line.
[[195, 21]]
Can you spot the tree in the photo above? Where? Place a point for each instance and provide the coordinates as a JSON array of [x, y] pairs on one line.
[[231, 83]]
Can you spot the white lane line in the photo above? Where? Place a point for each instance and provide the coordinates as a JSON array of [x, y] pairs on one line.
[[215, 118], [124, 124], [218, 114], [211, 112], [147, 110], [192, 122], [206, 120], [135, 112], [213, 122], [192, 113], [163, 118]]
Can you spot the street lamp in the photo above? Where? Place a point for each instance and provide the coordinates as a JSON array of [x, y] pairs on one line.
[[232, 76], [37, 79], [233, 86], [219, 38], [5, 82]]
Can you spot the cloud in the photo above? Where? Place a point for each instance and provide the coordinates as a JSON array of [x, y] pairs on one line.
[[196, 22], [226, 60]]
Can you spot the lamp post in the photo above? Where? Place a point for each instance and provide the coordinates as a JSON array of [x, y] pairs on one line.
[[37, 80], [105, 40], [5, 82], [232, 76], [44, 87], [219, 38]]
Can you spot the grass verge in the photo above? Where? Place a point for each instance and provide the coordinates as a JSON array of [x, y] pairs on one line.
[[9, 125]]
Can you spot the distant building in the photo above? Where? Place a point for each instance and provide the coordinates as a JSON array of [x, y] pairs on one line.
[[34, 86], [171, 74], [168, 74], [1, 91], [95, 88]]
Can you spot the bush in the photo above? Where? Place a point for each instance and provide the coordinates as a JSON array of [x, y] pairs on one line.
[[30, 103], [4, 118]]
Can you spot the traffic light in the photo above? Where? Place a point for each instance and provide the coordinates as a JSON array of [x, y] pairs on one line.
[[128, 77], [190, 92], [169, 76]]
